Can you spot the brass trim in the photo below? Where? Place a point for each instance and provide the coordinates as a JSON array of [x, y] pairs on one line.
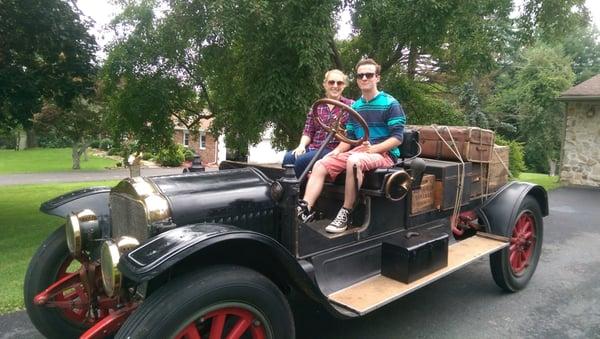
[[111, 276], [142, 189], [73, 235]]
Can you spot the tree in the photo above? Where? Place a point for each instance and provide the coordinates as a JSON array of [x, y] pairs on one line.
[[45, 53], [244, 63], [551, 21], [529, 99], [79, 124]]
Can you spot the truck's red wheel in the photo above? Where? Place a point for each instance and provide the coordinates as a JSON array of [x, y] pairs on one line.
[[513, 267], [48, 265], [217, 302]]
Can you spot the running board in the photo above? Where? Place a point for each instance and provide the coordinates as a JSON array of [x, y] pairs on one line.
[[378, 290]]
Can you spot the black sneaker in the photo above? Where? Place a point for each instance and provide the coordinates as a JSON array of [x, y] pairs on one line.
[[303, 212], [340, 223]]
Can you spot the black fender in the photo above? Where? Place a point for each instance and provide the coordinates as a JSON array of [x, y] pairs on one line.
[[94, 198], [500, 211], [203, 244]]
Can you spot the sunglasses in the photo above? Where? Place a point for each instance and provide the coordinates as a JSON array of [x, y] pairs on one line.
[[333, 82], [363, 75]]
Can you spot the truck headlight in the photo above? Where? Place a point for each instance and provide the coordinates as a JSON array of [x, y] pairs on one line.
[[109, 259], [81, 228], [110, 253]]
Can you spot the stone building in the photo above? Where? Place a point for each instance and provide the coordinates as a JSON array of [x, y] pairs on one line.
[[581, 145]]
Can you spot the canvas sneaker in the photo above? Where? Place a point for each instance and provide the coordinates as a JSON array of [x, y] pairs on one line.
[[303, 212], [340, 223]]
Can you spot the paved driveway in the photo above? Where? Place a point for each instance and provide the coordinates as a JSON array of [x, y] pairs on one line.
[[561, 301]]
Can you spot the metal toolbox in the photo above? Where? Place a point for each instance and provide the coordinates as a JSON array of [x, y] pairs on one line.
[[447, 175], [473, 144], [413, 255]]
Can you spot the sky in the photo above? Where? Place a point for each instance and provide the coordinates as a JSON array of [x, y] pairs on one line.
[[102, 12]]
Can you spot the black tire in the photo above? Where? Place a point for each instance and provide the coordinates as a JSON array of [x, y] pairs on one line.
[[503, 272], [185, 300], [42, 272]]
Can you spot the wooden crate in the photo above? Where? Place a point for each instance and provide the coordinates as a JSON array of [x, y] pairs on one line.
[[422, 198]]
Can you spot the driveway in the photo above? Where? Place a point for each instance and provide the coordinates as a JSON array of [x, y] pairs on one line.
[[561, 301], [80, 176]]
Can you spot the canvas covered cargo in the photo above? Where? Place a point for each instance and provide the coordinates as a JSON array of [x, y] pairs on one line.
[[472, 144]]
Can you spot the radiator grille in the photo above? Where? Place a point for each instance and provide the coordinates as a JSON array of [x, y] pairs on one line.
[[128, 217]]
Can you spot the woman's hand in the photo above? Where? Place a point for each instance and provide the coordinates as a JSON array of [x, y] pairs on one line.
[[299, 151]]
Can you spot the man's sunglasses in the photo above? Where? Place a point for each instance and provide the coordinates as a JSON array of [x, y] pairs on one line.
[[362, 75], [333, 82]]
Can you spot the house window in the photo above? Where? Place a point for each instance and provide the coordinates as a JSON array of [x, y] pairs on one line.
[[186, 138], [202, 139]]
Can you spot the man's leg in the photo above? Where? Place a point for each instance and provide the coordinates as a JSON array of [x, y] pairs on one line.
[[350, 189]]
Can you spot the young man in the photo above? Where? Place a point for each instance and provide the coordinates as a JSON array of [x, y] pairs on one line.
[[385, 119]]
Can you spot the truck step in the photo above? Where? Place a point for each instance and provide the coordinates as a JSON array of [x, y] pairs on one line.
[[376, 291]]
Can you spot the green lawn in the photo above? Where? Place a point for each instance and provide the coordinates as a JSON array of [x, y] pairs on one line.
[[23, 228], [548, 182], [38, 160]]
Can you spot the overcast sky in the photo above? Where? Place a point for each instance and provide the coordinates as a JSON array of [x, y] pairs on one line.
[[102, 12]]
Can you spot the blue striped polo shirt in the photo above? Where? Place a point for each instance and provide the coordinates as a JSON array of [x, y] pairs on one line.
[[384, 116]]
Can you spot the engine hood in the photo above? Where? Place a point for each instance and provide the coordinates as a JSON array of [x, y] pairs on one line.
[[220, 196]]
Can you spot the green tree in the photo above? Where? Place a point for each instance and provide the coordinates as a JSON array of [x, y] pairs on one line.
[[552, 21], [78, 124], [244, 63], [45, 52], [529, 100]]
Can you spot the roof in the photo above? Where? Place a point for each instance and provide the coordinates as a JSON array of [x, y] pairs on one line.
[[589, 89]]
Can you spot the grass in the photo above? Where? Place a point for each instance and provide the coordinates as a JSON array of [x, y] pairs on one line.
[[23, 229], [548, 182], [38, 160]]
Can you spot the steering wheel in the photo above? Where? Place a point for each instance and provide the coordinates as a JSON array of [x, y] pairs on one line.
[[339, 132]]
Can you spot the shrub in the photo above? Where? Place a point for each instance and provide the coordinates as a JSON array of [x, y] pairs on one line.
[[516, 157], [189, 154], [95, 143], [172, 156], [148, 155], [106, 144]]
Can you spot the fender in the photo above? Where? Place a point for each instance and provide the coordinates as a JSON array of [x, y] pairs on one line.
[[206, 242], [94, 198], [500, 211]]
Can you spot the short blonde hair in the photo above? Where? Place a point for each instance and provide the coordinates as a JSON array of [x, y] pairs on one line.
[[344, 76]]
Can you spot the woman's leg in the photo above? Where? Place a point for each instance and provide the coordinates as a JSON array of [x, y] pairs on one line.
[[288, 159]]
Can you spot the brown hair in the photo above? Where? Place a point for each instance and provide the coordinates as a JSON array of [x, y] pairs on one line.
[[368, 61]]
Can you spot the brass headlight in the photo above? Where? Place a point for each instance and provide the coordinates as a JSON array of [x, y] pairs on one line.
[[80, 228], [109, 259]]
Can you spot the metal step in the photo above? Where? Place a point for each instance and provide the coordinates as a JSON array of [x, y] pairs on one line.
[[376, 291]]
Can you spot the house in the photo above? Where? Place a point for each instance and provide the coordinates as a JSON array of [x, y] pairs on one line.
[[202, 142], [581, 144], [213, 150]]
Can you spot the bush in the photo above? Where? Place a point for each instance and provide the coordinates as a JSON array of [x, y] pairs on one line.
[[95, 143], [106, 144], [172, 156], [148, 155], [516, 157], [114, 151], [189, 154]]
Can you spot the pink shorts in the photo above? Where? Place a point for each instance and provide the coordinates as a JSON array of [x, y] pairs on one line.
[[336, 164]]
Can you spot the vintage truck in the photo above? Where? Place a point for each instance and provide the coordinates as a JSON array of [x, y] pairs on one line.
[[216, 254]]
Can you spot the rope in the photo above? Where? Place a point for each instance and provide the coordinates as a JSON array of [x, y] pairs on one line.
[[461, 169], [503, 164]]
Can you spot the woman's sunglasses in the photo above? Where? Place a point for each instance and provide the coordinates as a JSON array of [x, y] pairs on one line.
[[333, 82], [362, 75]]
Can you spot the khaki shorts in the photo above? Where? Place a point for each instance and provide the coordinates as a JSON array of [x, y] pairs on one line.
[[336, 164]]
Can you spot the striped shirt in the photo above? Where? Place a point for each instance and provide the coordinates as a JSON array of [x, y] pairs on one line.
[[384, 116], [316, 133]]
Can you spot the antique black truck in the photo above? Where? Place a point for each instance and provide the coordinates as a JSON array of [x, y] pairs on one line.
[[216, 254]]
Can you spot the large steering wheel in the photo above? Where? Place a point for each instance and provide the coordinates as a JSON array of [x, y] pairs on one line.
[[339, 132]]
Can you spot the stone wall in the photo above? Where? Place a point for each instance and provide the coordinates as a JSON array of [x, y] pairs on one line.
[[581, 150]]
